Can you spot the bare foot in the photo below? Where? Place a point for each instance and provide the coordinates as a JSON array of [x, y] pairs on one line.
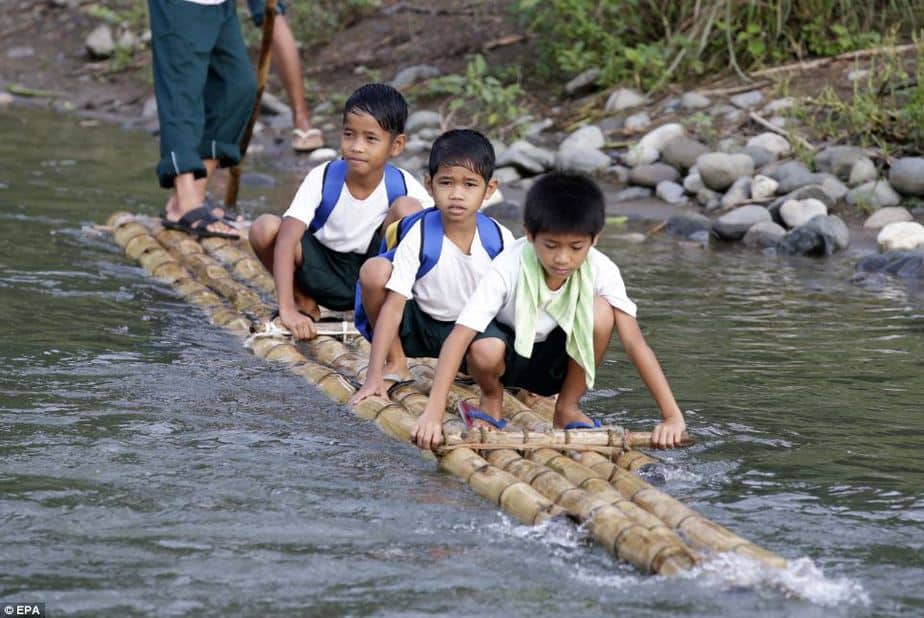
[[306, 305], [397, 370], [492, 407], [565, 414]]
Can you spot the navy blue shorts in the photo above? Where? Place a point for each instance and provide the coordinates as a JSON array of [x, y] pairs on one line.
[[258, 7]]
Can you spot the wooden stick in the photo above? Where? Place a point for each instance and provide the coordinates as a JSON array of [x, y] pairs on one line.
[[269, 17], [560, 439], [854, 55], [787, 134]]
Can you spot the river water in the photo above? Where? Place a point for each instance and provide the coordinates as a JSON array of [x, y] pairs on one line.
[[150, 466]]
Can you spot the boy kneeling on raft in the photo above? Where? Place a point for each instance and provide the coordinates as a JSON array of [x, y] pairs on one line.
[[552, 301]]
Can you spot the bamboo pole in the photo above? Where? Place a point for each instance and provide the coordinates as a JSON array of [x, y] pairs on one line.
[[263, 65], [560, 439]]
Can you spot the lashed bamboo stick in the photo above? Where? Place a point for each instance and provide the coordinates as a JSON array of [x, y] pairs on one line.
[[559, 439]]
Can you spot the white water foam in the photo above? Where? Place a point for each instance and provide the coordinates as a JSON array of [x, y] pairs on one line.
[[802, 579]]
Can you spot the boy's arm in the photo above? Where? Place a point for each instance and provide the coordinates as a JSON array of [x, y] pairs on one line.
[[668, 432], [386, 329], [429, 429], [290, 234]]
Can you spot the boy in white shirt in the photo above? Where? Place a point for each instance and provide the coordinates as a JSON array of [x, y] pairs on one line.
[[556, 300], [414, 293], [333, 225]]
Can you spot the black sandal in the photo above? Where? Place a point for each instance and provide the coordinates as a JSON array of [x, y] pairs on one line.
[[196, 223]]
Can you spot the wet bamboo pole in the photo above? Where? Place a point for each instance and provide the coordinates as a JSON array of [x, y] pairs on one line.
[[613, 438], [486, 480]]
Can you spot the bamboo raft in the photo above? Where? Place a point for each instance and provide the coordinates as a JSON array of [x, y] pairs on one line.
[[534, 473]]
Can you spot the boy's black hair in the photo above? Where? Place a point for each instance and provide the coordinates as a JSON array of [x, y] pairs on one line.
[[564, 203], [382, 102], [464, 148]]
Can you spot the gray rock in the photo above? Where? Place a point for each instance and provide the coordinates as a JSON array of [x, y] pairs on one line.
[[631, 194], [764, 234], [730, 145], [18, 53], [256, 179], [747, 100], [670, 192], [618, 174], [589, 136], [719, 110], [686, 224], [719, 170], [822, 235], [907, 175], [533, 129], [694, 100], [583, 160], [887, 215], [777, 144], [638, 122], [624, 98], [429, 133], [99, 43], [736, 115], [838, 160], [778, 105], [416, 145], [323, 108], [505, 211], [703, 237], [799, 212], [763, 187], [421, 119], [527, 158], [272, 105], [149, 109], [322, 154], [413, 74], [875, 194], [657, 138], [857, 74], [832, 187], [710, 200], [760, 156], [650, 175], [506, 174], [735, 224], [791, 175], [901, 236], [738, 193], [127, 41], [583, 83], [640, 155], [864, 170], [611, 124], [5, 99], [693, 183], [499, 147], [682, 152], [903, 264]]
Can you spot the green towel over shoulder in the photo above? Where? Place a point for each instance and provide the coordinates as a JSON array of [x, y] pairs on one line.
[[572, 308]]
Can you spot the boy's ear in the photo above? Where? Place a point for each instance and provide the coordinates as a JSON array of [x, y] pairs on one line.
[[490, 188], [593, 243], [398, 143], [428, 184]]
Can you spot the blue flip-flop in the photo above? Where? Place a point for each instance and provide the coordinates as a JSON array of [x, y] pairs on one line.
[[582, 425], [470, 414]]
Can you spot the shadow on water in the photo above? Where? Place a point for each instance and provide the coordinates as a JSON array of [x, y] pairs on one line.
[[151, 466]]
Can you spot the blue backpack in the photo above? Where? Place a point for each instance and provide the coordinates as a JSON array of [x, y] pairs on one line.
[[431, 245], [332, 186]]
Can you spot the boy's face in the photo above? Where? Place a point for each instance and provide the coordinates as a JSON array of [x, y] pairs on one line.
[[560, 254], [458, 191], [365, 145]]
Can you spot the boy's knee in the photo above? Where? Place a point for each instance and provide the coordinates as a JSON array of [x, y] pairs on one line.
[[375, 272], [485, 354], [604, 320], [263, 231], [404, 206]]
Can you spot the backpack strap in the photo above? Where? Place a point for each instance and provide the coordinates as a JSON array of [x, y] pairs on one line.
[[431, 241], [489, 232], [395, 185], [331, 187]]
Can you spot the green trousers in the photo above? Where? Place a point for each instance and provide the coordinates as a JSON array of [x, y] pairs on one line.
[[204, 85]]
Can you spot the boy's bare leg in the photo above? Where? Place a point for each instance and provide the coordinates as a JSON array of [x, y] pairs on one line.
[[568, 405], [373, 276], [262, 237], [400, 208], [485, 361]]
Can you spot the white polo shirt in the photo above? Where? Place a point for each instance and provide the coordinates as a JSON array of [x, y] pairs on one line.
[[442, 292], [495, 296], [352, 222]]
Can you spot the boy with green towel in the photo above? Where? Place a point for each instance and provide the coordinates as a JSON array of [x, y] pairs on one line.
[[552, 302]]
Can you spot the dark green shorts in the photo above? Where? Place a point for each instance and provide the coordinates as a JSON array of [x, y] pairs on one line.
[[422, 335], [328, 276], [543, 372]]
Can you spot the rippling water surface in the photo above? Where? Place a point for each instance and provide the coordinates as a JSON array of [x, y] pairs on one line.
[[151, 466]]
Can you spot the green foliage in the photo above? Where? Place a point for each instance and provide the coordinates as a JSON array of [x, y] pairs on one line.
[[479, 90], [317, 21], [647, 42], [885, 107]]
